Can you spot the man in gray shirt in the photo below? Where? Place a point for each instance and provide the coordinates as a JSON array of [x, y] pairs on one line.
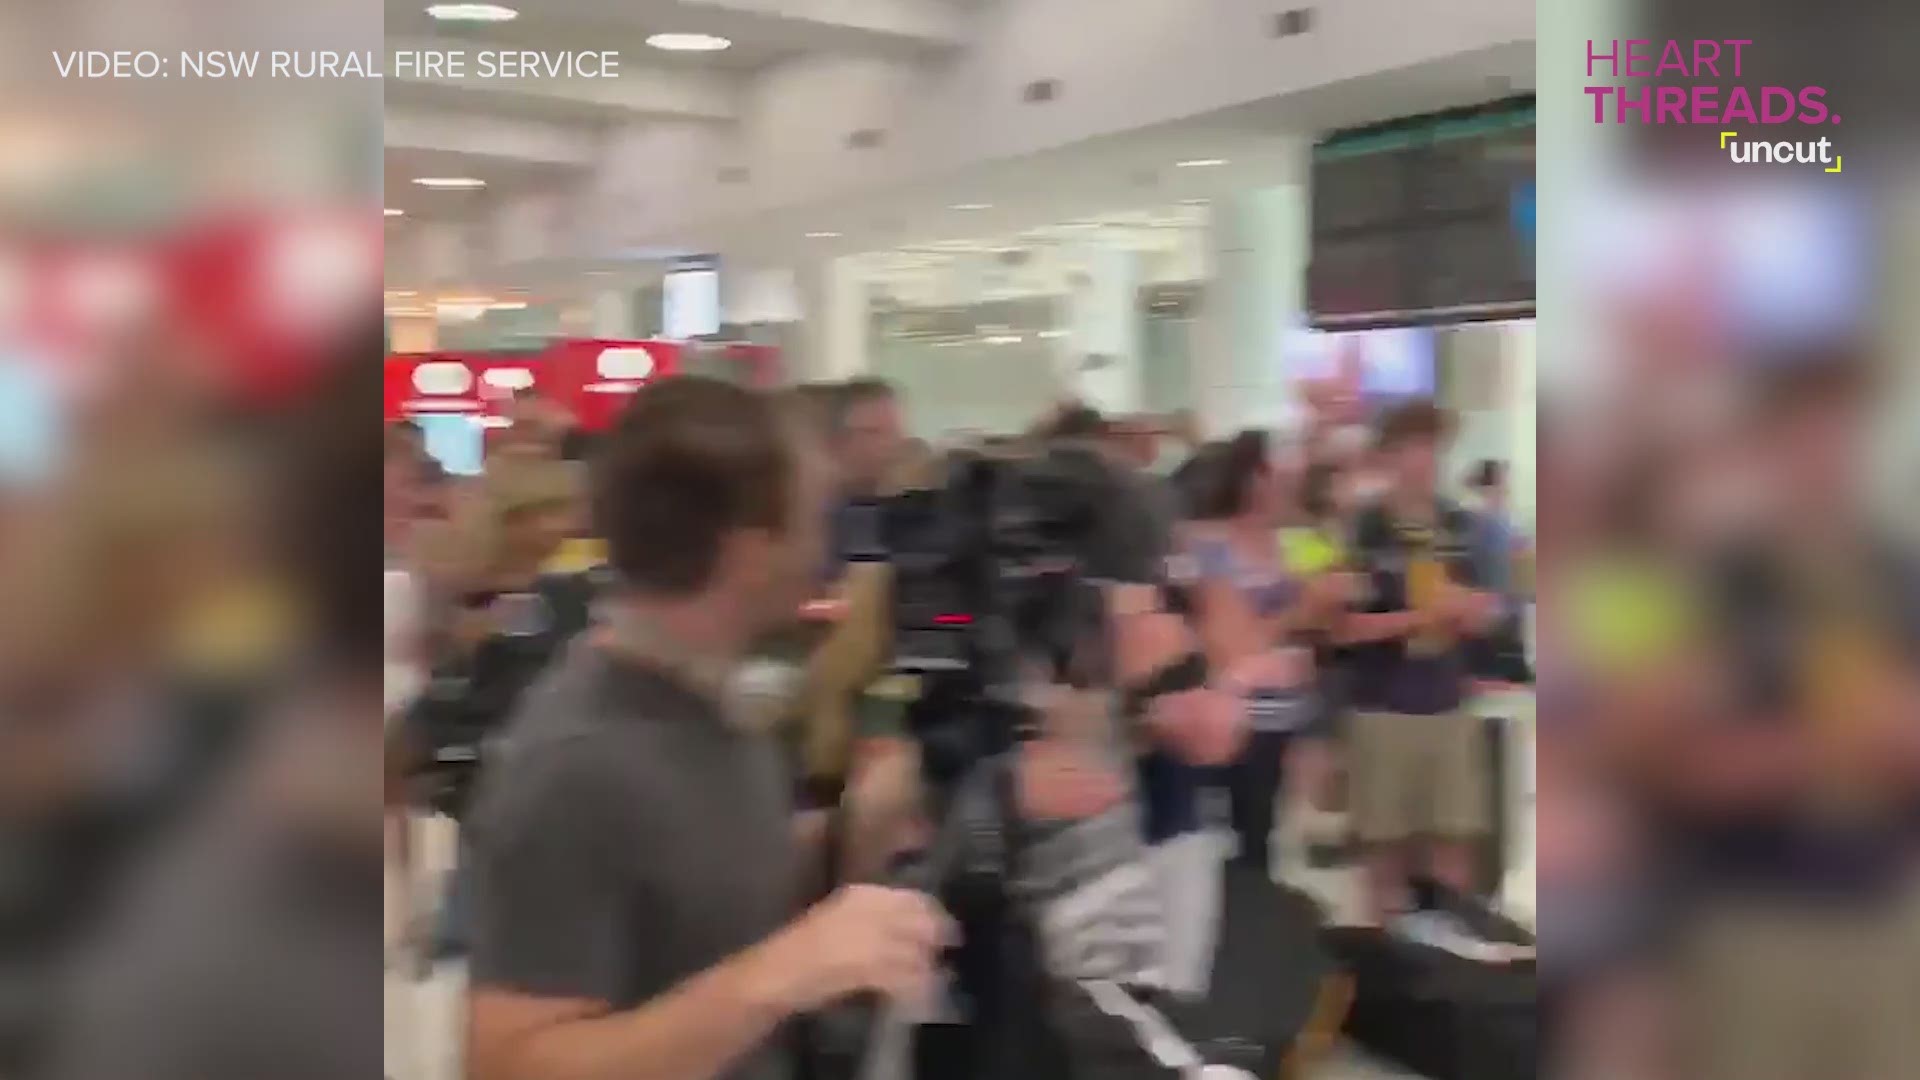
[[635, 856]]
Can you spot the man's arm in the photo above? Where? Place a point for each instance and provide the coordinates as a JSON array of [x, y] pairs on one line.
[[560, 934], [693, 1031], [861, 938]]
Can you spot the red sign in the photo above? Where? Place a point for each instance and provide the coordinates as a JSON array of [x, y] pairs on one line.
[[591, 378], [594, 378]]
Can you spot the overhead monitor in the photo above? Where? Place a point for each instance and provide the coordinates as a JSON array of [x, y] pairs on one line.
[[1425, 220], [690, 299]]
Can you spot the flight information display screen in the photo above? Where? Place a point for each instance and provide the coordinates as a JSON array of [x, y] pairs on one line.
[[1424, 220]]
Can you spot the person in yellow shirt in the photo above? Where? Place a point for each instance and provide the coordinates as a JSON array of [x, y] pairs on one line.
[[578, 555]]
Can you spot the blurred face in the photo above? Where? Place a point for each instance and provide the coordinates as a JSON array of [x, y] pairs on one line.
[[535, 533], [1413, 466], [1269, 493], [870, 440]]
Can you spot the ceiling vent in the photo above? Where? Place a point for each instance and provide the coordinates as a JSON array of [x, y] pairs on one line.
[[866, 139], [734, 174], [1293, 23], [1040, 91]]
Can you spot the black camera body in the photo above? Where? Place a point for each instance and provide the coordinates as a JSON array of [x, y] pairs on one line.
[[998, 581], [990, 586]]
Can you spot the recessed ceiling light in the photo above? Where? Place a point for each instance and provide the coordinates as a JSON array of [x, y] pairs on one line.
[[1194, 202], [822, 235], [391, 212], [400, 294], [507, 305], [449, 183], [1200, 163], [971, 206], [472, 12], [688, 42]]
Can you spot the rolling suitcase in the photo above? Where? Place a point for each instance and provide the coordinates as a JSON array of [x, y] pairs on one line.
[[1441, 1015]]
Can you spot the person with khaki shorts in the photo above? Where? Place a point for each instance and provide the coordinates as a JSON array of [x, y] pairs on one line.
[[1421, 793], [1419, 777]]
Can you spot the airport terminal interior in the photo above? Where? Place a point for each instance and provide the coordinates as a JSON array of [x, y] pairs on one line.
[[1192, 222]]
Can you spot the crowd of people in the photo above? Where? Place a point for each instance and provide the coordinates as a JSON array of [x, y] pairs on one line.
[[668, 647]]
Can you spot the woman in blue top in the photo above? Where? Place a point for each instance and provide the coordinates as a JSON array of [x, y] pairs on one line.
[[1253, 616]]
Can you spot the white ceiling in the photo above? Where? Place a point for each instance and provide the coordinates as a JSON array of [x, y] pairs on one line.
[[743, 152]]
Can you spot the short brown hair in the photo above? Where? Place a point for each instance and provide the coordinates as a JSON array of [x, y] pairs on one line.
[[688, 461], [852, 394], [1229, 483], [1412, 421]]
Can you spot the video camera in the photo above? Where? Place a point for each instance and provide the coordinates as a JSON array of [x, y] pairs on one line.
[[995, 580], [1000, 578]]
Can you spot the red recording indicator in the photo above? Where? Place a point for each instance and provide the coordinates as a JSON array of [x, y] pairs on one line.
[[952, 620]]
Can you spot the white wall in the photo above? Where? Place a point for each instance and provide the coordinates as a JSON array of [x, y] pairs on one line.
[[996, 389], [1490, 390]]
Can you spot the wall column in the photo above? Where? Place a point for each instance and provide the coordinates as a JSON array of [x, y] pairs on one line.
[[1255, 298], [833, 298], [1097, 358]]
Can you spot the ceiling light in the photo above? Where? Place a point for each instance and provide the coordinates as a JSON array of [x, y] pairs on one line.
[[450, 183], [1199, 163], [391, 212], [508, 305], [688, 42], [1053, 334], [1003, 339], [1194, 202], [971, 206], [472, 13], [461, 308], [822, 235]]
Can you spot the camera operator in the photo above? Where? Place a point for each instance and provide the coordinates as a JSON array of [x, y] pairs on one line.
[[1102, 792], [1189, 729], [635, 854]]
